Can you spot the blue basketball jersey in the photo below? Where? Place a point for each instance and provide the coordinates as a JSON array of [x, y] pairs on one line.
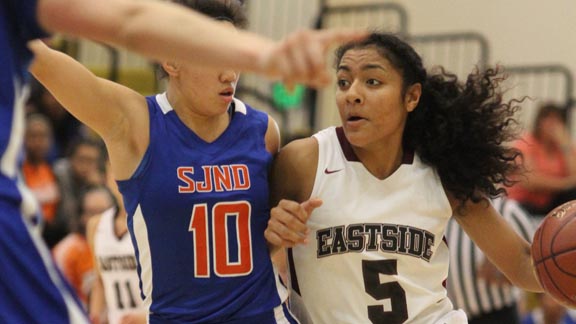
[[197, 212], [32, 290], [18, 25]]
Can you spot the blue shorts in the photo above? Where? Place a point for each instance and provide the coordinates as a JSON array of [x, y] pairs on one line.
[[32, 289]]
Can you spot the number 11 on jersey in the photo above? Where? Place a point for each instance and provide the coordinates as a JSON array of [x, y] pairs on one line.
[[222, 237]]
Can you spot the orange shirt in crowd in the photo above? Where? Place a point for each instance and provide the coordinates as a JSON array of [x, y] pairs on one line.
[[41, 181], [544, 162], [75, 259]]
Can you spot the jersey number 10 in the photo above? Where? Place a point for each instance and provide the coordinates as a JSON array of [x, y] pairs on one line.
[[221, 237]]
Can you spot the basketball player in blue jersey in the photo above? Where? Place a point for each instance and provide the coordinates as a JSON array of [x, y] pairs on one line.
[[31, 289], [192, 165], [373, 197]]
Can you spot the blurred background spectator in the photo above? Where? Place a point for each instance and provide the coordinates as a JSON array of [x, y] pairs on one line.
[[80, 169], [66, 128], [73, 254], [549, 158], [38, 174]]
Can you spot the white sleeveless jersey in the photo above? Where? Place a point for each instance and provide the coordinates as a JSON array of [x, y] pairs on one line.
[[117, 265], [376, 252]]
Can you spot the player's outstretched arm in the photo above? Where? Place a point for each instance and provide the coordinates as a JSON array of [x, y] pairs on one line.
[[165, 31], [507, 250]]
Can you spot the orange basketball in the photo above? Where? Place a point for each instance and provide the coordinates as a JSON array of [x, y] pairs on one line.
[[554, 253]]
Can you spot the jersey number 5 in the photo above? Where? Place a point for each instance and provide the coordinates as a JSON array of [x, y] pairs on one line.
[[223, 214], [371, 271]]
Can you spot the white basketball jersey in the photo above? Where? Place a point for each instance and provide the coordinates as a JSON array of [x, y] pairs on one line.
[[117, 264], [376, 252]]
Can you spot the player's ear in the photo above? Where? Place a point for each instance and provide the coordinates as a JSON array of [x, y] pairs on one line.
[[412, 97], [170, 67]]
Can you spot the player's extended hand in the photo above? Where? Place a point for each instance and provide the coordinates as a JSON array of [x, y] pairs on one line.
[[301, 57], [287, 225]]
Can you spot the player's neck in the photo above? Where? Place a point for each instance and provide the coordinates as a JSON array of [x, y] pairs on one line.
[[381, 163], [207, 127]]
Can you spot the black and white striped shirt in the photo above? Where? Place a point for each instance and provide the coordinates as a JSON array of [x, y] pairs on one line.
[[468, 292]]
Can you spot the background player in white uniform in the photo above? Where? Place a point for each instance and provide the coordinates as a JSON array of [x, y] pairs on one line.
[[115, 294], [413, 151]]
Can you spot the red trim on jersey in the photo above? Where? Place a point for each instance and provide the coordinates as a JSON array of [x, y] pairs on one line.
[[407, 158], [345, 145]]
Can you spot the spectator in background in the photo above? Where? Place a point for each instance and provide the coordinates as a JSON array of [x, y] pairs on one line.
[[549, 311], [474, 284], [73, 254], [550, 163], [80, 170], [38, 173], [66, 127]]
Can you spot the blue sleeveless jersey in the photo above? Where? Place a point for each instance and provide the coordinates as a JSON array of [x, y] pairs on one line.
[[18, 25], [197, 212], [32, 290]]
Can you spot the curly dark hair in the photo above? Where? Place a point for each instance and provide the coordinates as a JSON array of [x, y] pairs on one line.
[[461, 129]]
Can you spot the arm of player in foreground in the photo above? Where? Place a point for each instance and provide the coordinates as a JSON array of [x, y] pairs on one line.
[[165, 31]]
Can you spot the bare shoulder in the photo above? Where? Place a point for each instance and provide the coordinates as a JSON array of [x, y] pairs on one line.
[[294, 169], [272, 136], [301, 153]]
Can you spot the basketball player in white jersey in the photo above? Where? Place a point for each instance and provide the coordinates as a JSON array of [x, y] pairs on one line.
[[115, 294], [371, 199]]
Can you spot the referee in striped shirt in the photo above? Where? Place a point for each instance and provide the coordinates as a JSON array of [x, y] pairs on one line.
[[474, 284]]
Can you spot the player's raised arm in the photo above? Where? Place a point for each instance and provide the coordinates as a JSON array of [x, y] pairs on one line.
[[97, 102], [164, 31], [117, 113]]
